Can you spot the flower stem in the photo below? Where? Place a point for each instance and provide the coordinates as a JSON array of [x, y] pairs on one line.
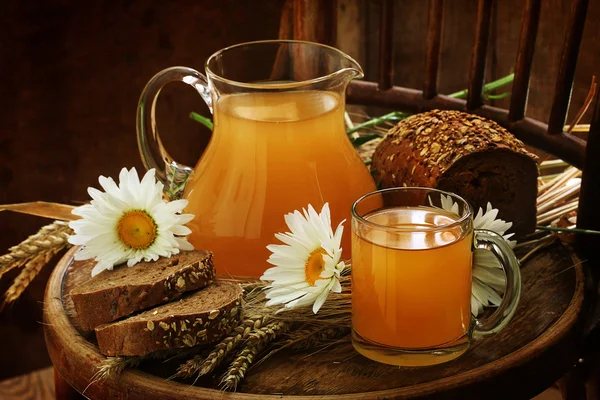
[[393, 116], [202, 119], [488, 87], [574, 230], [359, 141], [399, 115]]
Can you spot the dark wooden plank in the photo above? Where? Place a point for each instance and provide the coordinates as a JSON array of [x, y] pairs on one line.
[[588, 216], [315, 21], [351, 29], [480, 54], [410, 37], [386, 40], [63, 390], [36, 385], [286, 21], [434, 42], [520, 90], [568, 62]]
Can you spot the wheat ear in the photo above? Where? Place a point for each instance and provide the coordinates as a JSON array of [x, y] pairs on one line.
[[113, 366], [204, 365], [50, 237], [30, 271], [256, 343]]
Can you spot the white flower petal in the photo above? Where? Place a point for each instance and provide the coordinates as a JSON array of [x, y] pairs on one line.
[[96, 230], [180, 230], [184, 244], [488, 277], [320, 300], [185, 218], [309, 232]]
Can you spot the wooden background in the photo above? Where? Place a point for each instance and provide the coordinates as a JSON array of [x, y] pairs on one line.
[[71, 74]]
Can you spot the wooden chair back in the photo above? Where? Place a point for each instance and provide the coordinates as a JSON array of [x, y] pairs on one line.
[[316, 21]]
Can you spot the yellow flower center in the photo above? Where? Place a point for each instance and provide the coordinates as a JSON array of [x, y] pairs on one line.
[[136, 229], [314, 266]]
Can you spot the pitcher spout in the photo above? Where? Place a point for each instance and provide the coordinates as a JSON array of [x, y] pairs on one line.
[[352, 70]]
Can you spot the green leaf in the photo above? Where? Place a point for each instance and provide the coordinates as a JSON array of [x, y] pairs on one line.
[[203, 120]]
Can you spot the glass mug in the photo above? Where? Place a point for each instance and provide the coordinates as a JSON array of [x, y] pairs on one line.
[[411, 277], [278, 144]]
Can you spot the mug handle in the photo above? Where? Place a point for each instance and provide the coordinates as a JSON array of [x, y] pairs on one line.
[[489, 240], [171, 173]]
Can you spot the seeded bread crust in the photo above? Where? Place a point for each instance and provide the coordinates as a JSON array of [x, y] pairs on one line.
[[465, 154], [205, 316], [111, 295]]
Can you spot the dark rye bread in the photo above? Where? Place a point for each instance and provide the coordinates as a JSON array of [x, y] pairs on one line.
[[205, 316], [111, 295], [465, 154]]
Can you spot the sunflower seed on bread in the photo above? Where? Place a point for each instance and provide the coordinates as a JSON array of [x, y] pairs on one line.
[[466, 154], [202, 317], [111, 295]]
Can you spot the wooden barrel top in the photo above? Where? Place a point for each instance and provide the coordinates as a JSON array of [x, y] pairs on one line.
[[537, 347]]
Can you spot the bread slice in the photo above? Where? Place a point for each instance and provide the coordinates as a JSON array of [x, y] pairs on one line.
[[465, 154], [202, 317], [111, 295]]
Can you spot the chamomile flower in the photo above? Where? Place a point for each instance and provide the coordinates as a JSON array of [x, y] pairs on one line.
[[129, 222], [307, 266], [488, 277]]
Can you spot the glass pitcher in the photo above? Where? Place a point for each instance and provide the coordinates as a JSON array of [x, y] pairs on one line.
[[278, 144]]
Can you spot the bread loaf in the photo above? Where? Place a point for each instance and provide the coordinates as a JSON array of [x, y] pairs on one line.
[[111, 295], [465, 154], [204, 316]]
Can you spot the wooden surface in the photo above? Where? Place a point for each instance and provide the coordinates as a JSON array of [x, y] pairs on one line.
[[37, 385], [536, 348]]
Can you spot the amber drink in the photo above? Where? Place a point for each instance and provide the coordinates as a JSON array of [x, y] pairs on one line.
[[411, 278], [271, 154], [278, 144]]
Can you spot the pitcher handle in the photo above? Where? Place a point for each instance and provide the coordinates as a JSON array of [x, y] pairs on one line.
[[171, 173], [489, 240]]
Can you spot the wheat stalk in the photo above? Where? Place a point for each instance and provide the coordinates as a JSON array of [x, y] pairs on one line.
[[50, 237], [551, 215], [548, 240], [309, 338], [204, 365], [256, 343]]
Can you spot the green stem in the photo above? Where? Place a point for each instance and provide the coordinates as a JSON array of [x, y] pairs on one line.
[[574, 230], [500, 96], [398, 115], [393, 116], [488, 87], [203, 120], [359, 141]]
